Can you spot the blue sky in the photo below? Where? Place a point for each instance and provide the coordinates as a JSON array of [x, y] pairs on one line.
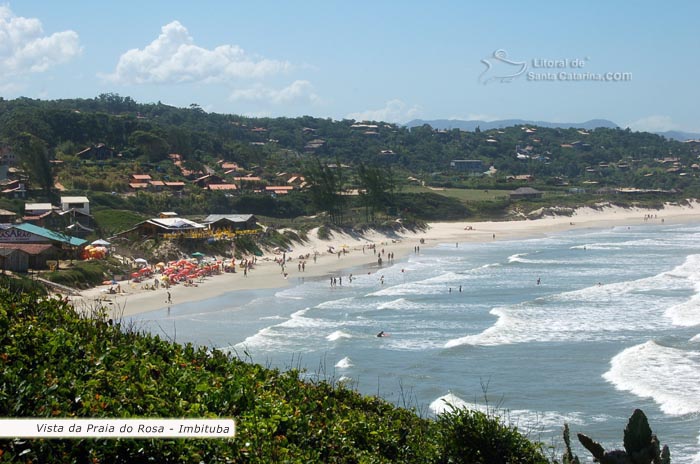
[[392, 61]]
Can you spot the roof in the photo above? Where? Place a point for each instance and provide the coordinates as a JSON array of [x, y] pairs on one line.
[[176, 223], [75, 200], [38, 206], [4, 212], [526, 191], [141, 177], [229, 217], [157, 183], [138, 185], [29, 248], [51, 235], [222, 187]]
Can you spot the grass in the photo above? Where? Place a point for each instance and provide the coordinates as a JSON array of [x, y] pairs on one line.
[[113, 221]]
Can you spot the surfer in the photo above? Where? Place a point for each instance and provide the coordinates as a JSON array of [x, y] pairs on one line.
[[382, 334]]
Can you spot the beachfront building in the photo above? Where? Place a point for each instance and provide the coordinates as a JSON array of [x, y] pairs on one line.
[[232, 222], [38, 244], [167, 227]]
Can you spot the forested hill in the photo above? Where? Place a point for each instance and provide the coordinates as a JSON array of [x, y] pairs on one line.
[[149, 132]]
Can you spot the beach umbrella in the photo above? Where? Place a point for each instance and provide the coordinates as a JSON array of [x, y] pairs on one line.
[[101, 242], [135, 275], [197, 254], [140, 261]]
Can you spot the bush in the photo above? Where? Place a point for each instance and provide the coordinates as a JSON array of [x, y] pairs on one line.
[[473, 437]]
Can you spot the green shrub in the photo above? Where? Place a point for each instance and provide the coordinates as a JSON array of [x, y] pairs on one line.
[[474, 437]]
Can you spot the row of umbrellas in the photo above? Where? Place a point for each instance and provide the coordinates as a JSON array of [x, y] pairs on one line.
[[178, 270]]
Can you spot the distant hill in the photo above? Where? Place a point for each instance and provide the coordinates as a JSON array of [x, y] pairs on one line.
[[471, 125], [487, 125], [680, 135]]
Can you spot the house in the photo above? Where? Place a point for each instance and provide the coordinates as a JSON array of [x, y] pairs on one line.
[[313, 145], [175, 186], [38, 243], [7, 216], [156, 185], [520, 177], [37, 209], [81, 204], [222, 187], [140, 178], [7, 156], [22, 257], [279, 189], [13, 189], [207, 179], [525, 193], [296, 180], [97, 152], [165, 225], [232, 222], [229, 166], [469, 166]]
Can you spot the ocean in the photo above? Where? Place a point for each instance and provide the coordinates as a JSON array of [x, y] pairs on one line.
[[579, 327]]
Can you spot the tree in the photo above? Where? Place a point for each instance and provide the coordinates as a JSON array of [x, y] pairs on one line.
[[33, 156], [153, 146], [377, 186], [326, 188]]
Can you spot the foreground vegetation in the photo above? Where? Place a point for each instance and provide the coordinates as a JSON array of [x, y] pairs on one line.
[[56, 364]]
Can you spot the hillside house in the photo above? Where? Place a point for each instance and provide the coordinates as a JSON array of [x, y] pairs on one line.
[[81, 204], [97, 152]]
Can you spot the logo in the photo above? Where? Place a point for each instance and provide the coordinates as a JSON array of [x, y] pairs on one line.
[[499, 68]]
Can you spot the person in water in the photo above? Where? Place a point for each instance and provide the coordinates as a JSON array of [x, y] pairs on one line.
[[380, 334]]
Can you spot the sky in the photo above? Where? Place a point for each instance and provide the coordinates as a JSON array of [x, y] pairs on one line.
[[634, 63]]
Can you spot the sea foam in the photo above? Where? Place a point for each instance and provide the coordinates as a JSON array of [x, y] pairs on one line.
[[669, 376]]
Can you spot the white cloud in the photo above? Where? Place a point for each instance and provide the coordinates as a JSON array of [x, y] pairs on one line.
[[299, 90], [174, 58], [656, 123], [394, 111], [25, 49]]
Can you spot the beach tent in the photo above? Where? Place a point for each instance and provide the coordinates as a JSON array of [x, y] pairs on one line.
[[101, 242]]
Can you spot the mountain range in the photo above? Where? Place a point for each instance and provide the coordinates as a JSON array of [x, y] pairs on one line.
[[471, 125]]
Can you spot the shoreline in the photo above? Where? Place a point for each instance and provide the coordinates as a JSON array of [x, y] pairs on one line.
[[267, 274]]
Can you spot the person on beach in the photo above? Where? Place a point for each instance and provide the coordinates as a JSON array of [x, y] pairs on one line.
[[170, 298]]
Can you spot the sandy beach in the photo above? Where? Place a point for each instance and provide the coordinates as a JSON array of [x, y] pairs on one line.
[[355, 251]]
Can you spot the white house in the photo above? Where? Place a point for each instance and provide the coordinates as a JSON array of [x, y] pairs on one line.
[[81, 204]]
